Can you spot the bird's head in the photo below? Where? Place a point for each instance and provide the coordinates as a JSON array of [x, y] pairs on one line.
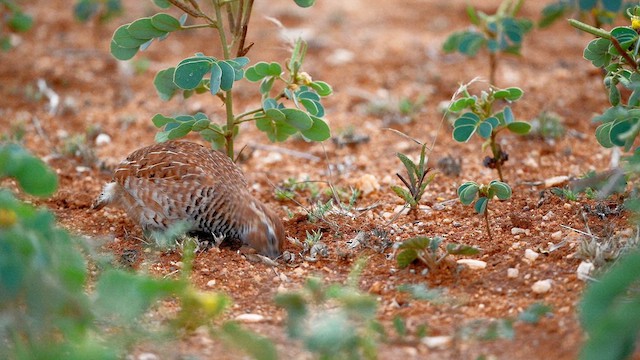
[[263, 230]]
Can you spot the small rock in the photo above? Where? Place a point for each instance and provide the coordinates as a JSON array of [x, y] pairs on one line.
[[82, 169], [548, 216], [567, 206], [512, 273], [557, 236], [211, 283], [473, 264], [541, 287], [404, 210], [103, 139], [584, 269], [437, 342], [249, 318], [376, 288], [368, 184], [555, 181], [530, 255], [148, 356], [531, 162], [517, 231]]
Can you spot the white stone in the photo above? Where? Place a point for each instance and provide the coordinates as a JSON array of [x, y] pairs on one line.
[[473, 264], [103, 139], [250, 318], [437, 342], [531, 255], [148, 356], [211, 283], [541, 287], [555, 181], [512, 273], [517, 231], [557, 236], [584, 269], [368, 184]]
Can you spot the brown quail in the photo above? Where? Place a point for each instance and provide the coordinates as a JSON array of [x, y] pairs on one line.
[[179, 181]]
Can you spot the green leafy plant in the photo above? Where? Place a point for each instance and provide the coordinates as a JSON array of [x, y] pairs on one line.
[[601, 11], [499, 33], [547, 126], [207, 74], [418, 179], [471, 191], [12, 20], [429, 251], [610, 311], [103, 10], [480, 118], [348, 330]]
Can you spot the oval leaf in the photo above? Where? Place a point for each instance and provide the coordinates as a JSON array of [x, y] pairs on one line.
[[519, 127], [165, 22], [322, 88], [467, 192], [122, 37], [228, 76], [481, 205], [216, 76], [121, 53], [298, 119], [143, 29], [319, 131], [465, 126], [189, 72], [500, 189]]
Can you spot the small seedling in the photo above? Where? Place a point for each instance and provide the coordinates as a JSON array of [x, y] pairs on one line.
[[487, 123], [601, 11], [279, 85], [13, 20], [547, 126], [501, 32], [428, 251], [418, 179], [482, 194], [103, 10]]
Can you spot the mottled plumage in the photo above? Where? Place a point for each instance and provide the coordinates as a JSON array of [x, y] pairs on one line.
[[180, 181]]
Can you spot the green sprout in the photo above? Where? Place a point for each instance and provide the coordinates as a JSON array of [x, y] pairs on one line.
[[471, 191], [428, 251], [418, 179], [483, 120], [501, 32]]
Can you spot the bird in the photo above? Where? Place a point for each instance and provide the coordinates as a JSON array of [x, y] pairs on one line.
[[182, 182]]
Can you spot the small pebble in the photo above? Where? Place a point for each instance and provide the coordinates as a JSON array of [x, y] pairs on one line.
[[473, 264], [557, 236], [512, 273], [584, 269], [437, 342], [517, 231], [541, 287], [555, 181], [249, 318], [548, 216], [211, 283], [148, 356], [530, 255], [103, 139]]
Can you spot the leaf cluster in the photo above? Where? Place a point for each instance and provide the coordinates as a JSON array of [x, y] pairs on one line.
[[348, 331], [429, 252], [85, 10], [471, 191], [418, 180], [602, 11], [499, 32], [481, 118], [130, 38]]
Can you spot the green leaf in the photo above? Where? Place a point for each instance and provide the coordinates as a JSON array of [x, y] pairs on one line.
[[319, 131], [519, 127], [180, 131], [121, 53], [411, 167], [252, 75], [143, 29], [404, 194], [124, 40], [20, 22], [502, 190], [305, 3], [626, 36], [33, 176], [275, 114], [461, 249], [128, 295], [160, 120], [417, 243], [467, 192], [461, 104], [163, 82], [164, 4], [602, 135], [597, 51], [322, 88], [216, 78], [298, 119], [190, 72], [510, 94], [228, 76], [266, 85], [406, 257], [310, 106], [553, 12], [485, 129], [200, 125], [481, 205], [262, 69], [465, 126], [618, 128], [165, 22]]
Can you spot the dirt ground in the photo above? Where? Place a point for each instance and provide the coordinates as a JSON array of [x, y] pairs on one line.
[[374, 53]]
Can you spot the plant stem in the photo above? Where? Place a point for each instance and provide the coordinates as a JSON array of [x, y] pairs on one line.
[[486, 221], [493, 64], [497, 155], [228, 99], [590, 29]]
